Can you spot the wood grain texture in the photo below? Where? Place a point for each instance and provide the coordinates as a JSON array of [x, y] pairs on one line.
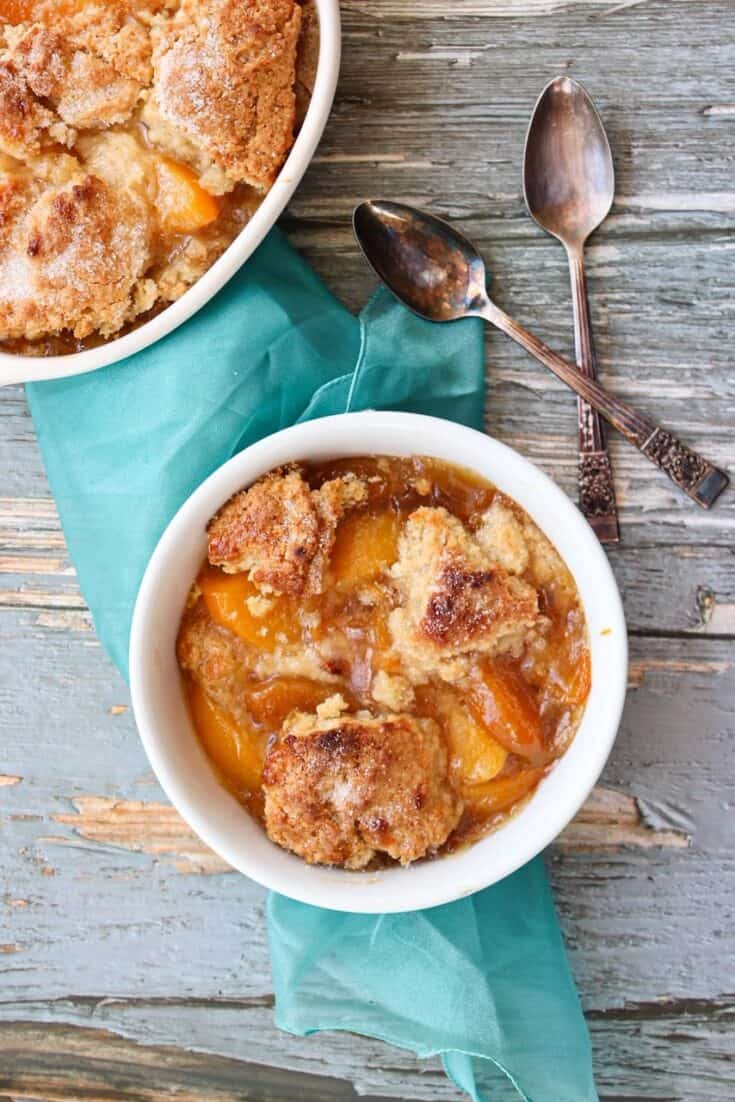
[[62, 1062], [125, 971]]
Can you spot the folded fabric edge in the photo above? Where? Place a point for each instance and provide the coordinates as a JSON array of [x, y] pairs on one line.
[[456, 1063], [458, 1067]]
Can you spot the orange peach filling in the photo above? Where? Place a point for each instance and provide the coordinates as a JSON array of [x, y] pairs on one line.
[[183, 204], [235, 602], [502, 703], [238, 754], [365, 546], [501, 722]]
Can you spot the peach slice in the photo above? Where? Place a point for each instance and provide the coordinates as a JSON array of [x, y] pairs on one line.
[[271, 701], [474, 755], [236, 752], [501, 794], [183, 204], [580, 682], [502, 702], [232, 600], [365, 546]]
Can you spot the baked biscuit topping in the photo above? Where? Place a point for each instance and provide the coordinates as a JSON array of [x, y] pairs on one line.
[[195, 98], [25, 124], [457, 600], [223, 87], [79, 226], [501, 536], [340, 791], [280, 532], [85, 90]]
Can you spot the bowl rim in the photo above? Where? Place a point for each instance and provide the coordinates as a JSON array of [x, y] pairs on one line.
[[15, 368], [478, 865]]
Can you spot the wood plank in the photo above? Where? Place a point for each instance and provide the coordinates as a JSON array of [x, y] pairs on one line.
[[59, 1063], [665, 1050], [673, 217], [608, 821], [59, 1052], [496, 9]]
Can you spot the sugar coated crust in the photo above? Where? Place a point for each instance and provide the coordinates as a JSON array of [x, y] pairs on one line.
[[75, 249], [223, 85], [25, 123], [457, 600], [280, 531], [271, 531], [84, 88], [340, 791]]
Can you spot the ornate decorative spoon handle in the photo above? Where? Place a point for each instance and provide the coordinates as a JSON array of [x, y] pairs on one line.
[[596, 488], [693, 474]]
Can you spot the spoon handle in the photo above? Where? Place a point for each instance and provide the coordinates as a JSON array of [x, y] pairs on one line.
[[596, 487], [698, 478]]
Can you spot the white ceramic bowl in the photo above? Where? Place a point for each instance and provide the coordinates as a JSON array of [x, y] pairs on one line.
[[26, 369], [180, 763]]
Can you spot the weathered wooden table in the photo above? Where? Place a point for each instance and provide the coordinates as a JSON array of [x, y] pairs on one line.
[[134, 965]]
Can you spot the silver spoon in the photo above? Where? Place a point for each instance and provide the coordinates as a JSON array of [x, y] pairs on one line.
[[438, 273], [569, 185]]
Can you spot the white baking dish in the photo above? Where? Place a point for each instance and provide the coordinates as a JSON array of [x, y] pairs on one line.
[[25, 369], [186, 774]]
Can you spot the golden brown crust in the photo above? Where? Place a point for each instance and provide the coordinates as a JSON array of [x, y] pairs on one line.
[[25, 124], [271, 531], [117, 33], [84, 88], [71, 256], [76, 67], [341, 791], [467, 605], [224, 75], [280, 531], [114, 30], [500, 534], [456, 600], [12, 200]]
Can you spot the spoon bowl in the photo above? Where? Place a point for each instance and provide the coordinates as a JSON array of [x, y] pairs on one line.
[[429, 265], [568, 175]]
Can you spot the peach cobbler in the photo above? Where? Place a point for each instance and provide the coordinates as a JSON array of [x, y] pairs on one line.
[[137, 137], [381, 657]]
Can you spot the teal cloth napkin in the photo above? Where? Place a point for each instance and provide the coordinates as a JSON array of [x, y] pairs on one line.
[[484, 982]]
